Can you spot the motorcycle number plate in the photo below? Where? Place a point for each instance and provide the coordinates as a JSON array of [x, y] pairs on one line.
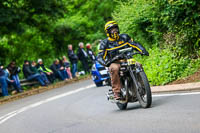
[[131, 61], [103, 72]]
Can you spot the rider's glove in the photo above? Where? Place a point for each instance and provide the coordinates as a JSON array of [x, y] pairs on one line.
[[144, 52]]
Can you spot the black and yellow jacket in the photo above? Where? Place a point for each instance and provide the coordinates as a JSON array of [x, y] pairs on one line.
[[109, 49]]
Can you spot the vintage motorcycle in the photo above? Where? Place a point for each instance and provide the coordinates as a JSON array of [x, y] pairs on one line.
[[135, 85]]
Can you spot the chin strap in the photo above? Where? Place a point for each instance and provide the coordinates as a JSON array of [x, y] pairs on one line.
[[114, 37], [111, 39]]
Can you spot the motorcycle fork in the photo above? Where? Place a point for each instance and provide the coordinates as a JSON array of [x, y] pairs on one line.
[[133, 76], [127, 89]]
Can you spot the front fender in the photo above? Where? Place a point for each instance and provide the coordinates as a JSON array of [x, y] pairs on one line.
[[138, 67]]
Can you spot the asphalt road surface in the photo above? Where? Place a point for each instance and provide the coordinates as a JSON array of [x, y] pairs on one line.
[[83, 108]]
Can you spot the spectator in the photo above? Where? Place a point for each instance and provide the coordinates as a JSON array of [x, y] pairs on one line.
[[14, 70], [91, 55], [90, 52], [73, 59], [66, 64], [40, 66], [83, 57], [35, 70], [3, 81], [30, 75], [59, 70]]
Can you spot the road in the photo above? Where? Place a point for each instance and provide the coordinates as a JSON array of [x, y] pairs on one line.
[[83, 108]]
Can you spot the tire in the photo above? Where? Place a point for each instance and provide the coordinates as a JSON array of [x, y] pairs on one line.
[[98, 84], [144, 90]]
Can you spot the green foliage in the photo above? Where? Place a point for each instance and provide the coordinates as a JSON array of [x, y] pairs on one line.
[[167, 23], [84, 22], [162, 66], [170, 28], [32, 29]]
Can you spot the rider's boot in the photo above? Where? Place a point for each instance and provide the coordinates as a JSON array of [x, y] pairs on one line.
[[117, 96]]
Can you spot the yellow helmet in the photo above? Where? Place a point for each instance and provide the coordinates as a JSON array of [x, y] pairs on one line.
[[108, 26]]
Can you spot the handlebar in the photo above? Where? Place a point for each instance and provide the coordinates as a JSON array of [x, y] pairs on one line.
[[126, 53], [122, 56]]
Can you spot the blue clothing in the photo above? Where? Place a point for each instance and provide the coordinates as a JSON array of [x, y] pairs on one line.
[[1, 72], [66, 64], [61, 74], [30, 75], [74, 69], [5, 81], [16, 83], [64, 74], [6, 74], [4, 85], [38, 77], [44, 78]]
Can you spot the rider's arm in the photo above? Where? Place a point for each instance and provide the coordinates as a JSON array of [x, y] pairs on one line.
[[135, 45], [140, 48], [101, 57]]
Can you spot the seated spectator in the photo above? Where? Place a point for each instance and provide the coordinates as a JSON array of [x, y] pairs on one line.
[[40, 66], [35, 70], [59, 70], [30, 75], [13, 71], [4, 80], [66, 65]]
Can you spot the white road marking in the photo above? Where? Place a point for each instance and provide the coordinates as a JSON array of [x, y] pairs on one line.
[[16, 112], [176, 94]]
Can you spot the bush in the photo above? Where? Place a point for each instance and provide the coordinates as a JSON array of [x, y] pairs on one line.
[[172, 22], [162, 67]]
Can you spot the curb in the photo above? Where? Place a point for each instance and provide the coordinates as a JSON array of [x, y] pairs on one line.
[[39, 89], [176, 87]]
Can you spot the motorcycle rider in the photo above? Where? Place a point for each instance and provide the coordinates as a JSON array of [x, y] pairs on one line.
[[109, 48]]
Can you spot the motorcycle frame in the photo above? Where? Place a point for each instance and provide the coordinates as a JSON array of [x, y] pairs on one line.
[[131, 72]]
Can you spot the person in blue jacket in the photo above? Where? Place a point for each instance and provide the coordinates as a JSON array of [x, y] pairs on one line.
[[4, 80]]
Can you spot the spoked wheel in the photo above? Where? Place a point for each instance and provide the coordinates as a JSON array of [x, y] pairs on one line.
[[122, 105], [144, 92]]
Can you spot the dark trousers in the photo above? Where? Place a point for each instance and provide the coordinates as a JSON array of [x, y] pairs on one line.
[[38, 77], [50, 77], [62, 74], [4, 86], [16, 84], [85, 66], [74, 69]]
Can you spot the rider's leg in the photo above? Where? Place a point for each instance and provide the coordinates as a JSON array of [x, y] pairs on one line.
[[115, 79]]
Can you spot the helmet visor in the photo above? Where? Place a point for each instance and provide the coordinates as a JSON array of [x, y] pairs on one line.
[[114, 30]]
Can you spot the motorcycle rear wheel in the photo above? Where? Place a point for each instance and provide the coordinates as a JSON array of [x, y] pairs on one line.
[[144, 91]]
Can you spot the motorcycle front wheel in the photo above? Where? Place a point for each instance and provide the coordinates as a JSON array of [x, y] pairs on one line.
[[144, 91]]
